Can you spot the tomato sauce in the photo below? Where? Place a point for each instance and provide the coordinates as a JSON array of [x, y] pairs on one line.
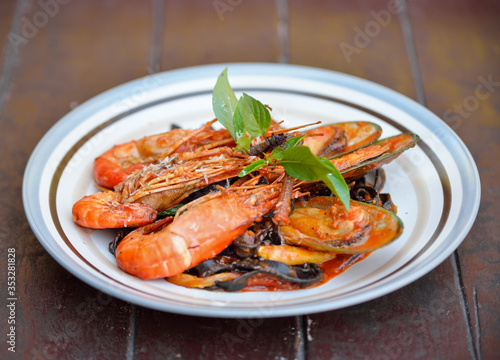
[[330, 269], [341, 263]]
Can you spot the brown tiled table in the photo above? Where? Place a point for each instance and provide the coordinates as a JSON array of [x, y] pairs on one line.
[[56, 54]]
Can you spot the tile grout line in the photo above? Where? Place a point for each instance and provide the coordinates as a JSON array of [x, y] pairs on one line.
[[300, 345], [157, 32], [478, 324], [9, 53], [412, 52], [464, 304], [130, 352], [283, 33]]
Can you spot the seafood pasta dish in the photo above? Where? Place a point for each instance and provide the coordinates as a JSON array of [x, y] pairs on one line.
[[252, 206]]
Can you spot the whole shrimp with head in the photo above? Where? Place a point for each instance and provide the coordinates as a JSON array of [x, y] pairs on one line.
[[157, 187], [116, 164], [207, 227]]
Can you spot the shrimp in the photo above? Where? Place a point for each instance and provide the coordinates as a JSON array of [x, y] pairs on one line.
[[203, 230], [116, 164], [104, 210], [157, 187]]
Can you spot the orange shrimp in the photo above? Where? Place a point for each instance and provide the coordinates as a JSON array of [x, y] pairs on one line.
[[116, 164], [207, 227], [104, 210], [157, 187]]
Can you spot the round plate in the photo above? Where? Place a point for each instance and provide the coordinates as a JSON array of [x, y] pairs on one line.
[[430, 184]]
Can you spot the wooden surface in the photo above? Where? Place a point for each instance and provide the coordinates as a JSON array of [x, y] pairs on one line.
[[58, 54]]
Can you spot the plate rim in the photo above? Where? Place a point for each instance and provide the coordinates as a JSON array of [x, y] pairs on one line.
[[30, 193]]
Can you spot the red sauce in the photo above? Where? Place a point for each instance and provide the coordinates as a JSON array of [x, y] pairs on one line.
[[330, 269], [341, 263]]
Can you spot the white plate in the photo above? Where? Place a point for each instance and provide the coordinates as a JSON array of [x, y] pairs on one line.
[[435, 185]]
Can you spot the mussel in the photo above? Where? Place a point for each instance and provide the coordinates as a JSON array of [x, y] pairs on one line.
[[338, 138], [322, 224], [356, 163], [359, 133]]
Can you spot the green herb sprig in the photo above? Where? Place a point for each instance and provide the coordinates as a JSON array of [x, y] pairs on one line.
[[243, 117], [246, 118]]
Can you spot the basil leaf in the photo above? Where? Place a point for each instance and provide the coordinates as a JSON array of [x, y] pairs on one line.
[[224, 103], [277, 153], [301, 163], [255, 116], [240, 131], [243, 143], [294, 141], [339, 186], [256, 165]]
